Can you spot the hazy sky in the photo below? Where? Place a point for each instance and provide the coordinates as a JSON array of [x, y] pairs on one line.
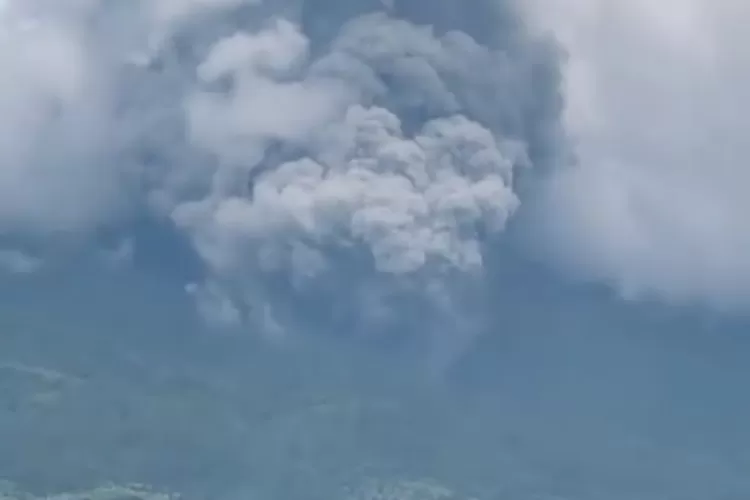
[[365, 160]]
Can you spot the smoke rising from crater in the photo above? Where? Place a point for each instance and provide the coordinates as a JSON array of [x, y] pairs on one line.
[[360, 161]]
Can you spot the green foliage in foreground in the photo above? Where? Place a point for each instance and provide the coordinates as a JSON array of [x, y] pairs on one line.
[[371, 490], [112, 492]]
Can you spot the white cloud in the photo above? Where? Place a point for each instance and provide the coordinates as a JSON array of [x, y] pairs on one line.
[[49, 125], [658, 108]]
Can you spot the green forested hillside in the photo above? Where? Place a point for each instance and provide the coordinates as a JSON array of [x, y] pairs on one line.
[[107, 383]]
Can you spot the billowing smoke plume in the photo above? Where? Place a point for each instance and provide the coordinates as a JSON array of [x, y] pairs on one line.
[[356, 162], [345, 163], [327, 174], [358, 183]]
